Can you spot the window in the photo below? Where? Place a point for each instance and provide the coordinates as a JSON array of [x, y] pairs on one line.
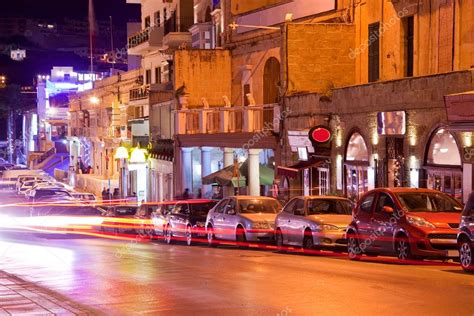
[[408, 25], [329, 206], [384, 200], [147, 22], [254, 206], [164, 15], [220, 207], [374, 51], [299, 207], [366, 204], [170, 71], [289, 207], [148, 76], [158, 75], [157, 18], [230, 206]]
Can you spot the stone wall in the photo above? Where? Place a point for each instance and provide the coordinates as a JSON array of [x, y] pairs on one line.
[[203, 73], [318, 57]]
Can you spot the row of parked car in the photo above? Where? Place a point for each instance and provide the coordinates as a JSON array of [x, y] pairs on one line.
[[37, 187], [406, 222]]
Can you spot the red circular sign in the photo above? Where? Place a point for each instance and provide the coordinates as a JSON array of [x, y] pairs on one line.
[[320, 134]]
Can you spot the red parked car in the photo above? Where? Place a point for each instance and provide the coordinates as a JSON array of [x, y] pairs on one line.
[[410, 223]]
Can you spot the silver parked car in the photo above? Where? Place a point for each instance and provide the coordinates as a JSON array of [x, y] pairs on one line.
[[313, 221], [242, 219]]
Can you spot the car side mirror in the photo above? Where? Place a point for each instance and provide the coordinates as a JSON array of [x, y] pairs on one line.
[[388, 209]]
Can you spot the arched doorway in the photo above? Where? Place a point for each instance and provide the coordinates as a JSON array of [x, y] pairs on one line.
[[443, 164], [356, 166], [271, 81]]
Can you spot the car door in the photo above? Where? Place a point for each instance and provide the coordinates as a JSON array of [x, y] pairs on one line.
[[176, 218], [363, 220], [217, 218], [382, 224], [230, 220], [284, 219], [296, 223]]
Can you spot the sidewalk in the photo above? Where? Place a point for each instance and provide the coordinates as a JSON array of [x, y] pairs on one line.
[[18, 297]]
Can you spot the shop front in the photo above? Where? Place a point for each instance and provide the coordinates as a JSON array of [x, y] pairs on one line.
[[356, 167]]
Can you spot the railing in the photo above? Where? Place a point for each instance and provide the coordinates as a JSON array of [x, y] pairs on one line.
[[139, 93], [46, 155], [249, 119], [139, 38]]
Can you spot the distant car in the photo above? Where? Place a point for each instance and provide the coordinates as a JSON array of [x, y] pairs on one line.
[[29, 185], [45, 204], [43, 194], [86, 197], [64, 219], [242, 219], [187, 220], [465, 238], [313, 221], [410, 223], [116, 216], [29, 177]]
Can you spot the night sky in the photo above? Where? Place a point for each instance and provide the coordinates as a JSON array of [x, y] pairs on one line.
[[120, 11]]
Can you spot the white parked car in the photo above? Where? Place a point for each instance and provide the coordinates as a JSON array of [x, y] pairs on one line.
[[242, 219]]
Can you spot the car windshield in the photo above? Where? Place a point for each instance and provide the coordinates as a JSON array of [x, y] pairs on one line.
[[201, 208], [329, 206], [428, 202], [253, 206]]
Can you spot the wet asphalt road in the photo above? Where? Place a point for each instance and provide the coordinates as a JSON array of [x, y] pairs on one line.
[[126, 277]]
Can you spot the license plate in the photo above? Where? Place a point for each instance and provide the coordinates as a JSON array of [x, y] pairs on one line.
[[453, 253]]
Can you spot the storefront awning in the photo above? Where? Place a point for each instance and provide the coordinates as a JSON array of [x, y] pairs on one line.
[[226, 176], [292, 171]]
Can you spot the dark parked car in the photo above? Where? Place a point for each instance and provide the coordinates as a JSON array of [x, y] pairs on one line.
[[120, 219], [410, 223], [187, 220], [466, 236]]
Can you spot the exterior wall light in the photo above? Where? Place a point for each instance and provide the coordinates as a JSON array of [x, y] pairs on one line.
[[121, 153], [138, 155]]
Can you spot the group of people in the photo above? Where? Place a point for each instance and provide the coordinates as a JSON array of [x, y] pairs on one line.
[[215, 195], [82, 168], [107, 195]]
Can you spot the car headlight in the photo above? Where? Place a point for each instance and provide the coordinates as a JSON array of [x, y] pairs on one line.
[[418, 221], [327, 227], [261, 225]]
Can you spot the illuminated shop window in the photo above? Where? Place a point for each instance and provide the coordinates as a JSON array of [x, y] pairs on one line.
[[443, 149]]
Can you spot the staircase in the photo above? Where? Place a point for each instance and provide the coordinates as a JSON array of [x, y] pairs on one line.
[[55, 158]]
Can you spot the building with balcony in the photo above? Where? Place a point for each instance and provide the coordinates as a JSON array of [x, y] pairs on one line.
[[99, 122]]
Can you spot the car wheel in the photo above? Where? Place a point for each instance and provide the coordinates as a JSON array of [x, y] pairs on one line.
[[402, 248], [308, 243], [169, 236], [279, 240], [353, 249], [466, 255], [189, 235], [211, 238], [240, 237]]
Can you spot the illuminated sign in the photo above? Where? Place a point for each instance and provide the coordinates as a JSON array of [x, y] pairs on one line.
[[320, 135]]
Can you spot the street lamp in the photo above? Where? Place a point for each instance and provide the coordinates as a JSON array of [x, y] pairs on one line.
[[94, 100]]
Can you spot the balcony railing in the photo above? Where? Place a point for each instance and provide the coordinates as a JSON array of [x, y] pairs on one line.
[[139, 93], [249, 119], [139, 38], [149, 38]]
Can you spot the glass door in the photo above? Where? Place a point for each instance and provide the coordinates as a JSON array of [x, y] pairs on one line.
[[356, 181], [447, 181]]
